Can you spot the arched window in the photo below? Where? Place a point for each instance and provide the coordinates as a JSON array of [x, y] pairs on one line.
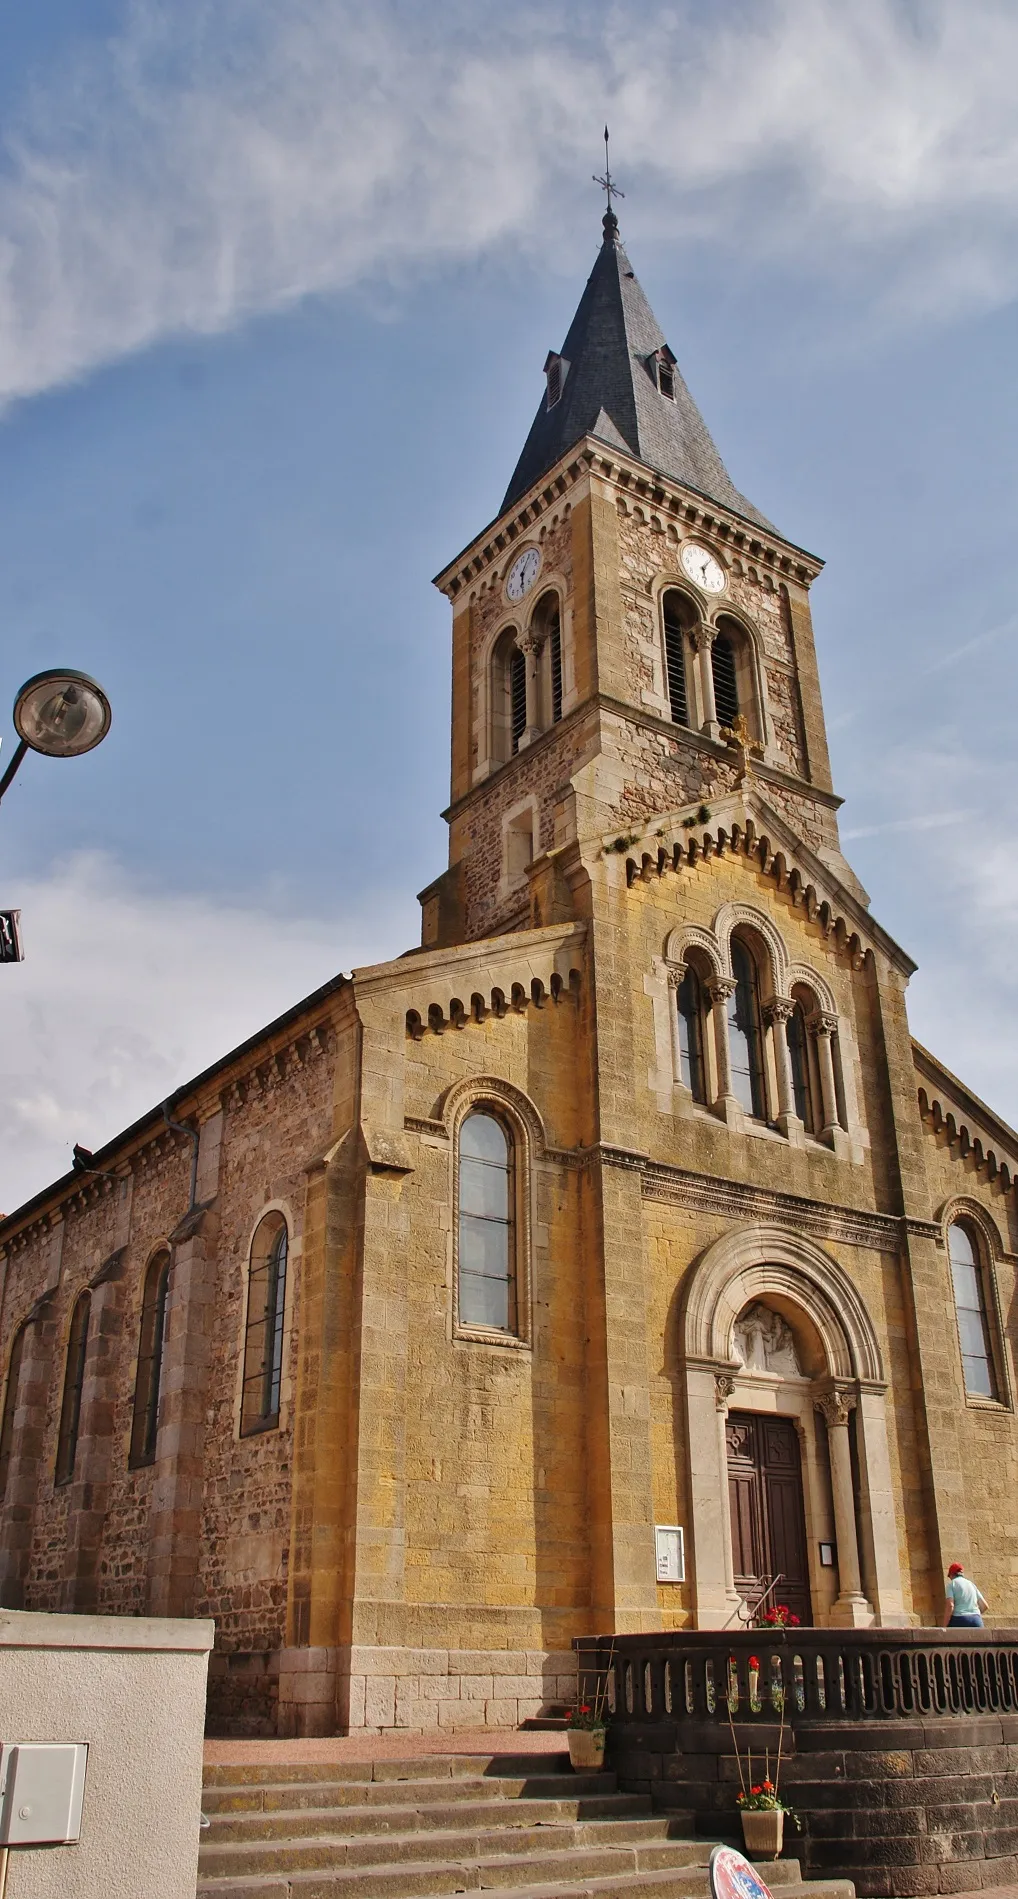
[[546, 624], [74, 1379], [676, 615], [145, 1419], [968, 1276], [744, 1039], [263, 1335], [689, 1001], [802, 1061], [726, 685], [10, 1406], [487, 1237]]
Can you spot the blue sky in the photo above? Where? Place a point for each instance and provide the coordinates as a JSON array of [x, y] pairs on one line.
[[276, 285]]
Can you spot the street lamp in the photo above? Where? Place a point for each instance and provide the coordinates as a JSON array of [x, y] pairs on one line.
[[61, 714]]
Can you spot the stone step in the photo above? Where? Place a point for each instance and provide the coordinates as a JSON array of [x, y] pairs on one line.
[[640, 1884], [252, 1797], [406, 1878], [654, 1846], [614, 1810], [414, 1767]]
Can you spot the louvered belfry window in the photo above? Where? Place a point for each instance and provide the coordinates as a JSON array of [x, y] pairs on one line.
[[264, 1333], [555, 663], [74, 1380], [517, 696], [726, 690], [675, 660], [145, 1420], [555, 373]]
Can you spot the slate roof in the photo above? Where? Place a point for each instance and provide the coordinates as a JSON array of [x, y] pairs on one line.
[[610, 392]]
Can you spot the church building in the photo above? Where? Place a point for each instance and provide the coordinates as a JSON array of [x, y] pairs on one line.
[[612, 1257]]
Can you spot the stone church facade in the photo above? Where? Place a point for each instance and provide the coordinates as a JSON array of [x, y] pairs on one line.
[[406, 1339]]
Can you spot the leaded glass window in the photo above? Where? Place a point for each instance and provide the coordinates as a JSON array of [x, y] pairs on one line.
[[689, 1001], [74, 1380], [10, 1406], [744, 1040], [145, 1420], [798, 1056], [487, 1266], [263, 1338], [970, 1305]]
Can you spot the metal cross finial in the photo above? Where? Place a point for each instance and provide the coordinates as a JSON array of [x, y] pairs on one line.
[[607, 183]]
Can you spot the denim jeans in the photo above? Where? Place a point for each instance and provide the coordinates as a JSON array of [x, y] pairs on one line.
[[965, 1622]]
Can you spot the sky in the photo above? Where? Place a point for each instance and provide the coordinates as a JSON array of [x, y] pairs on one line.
[[276, 285]]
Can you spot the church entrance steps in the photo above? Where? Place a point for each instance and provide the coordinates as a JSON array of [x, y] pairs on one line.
[[444, 1824]]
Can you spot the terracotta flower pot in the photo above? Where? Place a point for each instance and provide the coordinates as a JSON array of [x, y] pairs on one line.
[[763, 1831], [586, 1748]]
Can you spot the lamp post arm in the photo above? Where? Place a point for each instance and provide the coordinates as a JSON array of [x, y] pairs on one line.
[[19, 754]]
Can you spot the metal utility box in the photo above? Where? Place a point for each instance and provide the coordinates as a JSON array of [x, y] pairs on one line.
[[42, 1785]]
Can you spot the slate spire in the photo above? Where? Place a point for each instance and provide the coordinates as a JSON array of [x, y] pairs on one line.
[[610, 376]]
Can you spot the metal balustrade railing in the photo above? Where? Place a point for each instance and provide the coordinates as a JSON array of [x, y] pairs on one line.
[[818, 1674]]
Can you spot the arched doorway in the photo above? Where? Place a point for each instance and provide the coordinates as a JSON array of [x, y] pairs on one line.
[[787, 1436]]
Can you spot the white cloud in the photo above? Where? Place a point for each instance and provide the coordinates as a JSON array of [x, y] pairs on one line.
[[218, 160], [125, 994]]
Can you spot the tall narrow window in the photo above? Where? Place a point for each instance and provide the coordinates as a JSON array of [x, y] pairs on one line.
[[970, 1305], [263, 1337], [145, 1420], [555, 370], [555, 666], [689, 1000], [74, 1379], [744, 1042], [799, 1061], [666, 378], [726, 690], [487, 1277], [675, 659], [10, 1406], [517, 697]]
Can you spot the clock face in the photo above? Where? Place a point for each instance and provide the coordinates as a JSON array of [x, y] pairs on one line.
[[703, 569], [523, 573]]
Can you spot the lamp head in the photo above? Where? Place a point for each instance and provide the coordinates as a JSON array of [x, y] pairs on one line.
[[62, 713]]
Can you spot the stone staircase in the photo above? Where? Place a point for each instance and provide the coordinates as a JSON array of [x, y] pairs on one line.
[[452, 1823]]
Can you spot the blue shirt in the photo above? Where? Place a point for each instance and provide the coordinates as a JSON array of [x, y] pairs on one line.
[[962, 1591]]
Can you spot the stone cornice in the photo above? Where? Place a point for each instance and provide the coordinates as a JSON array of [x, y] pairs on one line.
[[949, 1106], [591, 456]]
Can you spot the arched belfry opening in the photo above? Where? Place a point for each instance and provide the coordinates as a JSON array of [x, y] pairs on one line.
[[789, 1469]]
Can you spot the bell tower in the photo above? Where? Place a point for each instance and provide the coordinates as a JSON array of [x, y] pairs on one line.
[[630, 634]]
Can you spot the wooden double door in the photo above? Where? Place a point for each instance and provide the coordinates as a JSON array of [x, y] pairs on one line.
[[768, 1519]]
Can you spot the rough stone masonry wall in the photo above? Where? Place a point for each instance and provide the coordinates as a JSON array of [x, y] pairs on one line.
[[902, 1808]]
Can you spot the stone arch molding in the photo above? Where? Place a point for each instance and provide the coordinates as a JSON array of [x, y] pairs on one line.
[[961, 1207], [476, 1089], [728, 919], [808, 978], [753, 1261], [690, 936]]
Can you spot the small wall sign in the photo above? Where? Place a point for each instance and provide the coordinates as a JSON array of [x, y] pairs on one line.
[[670, 1544], [827, 1555]]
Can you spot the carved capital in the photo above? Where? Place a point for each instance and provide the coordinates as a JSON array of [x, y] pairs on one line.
[[529, 645], [724, 1385], [778, 1009], [835, 1406], [822, 1025], [720, 988], [675, 973], [702, 635]]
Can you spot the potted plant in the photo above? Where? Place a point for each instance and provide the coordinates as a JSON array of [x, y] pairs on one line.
[[761, 1808], [586, 1727]]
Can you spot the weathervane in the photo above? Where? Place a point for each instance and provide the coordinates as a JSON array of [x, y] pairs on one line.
[[607, 183]]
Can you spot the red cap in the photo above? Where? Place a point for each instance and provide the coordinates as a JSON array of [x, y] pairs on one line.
[[955, 1569]]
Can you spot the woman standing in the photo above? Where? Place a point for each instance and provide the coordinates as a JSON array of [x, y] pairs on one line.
[[964, 1601]]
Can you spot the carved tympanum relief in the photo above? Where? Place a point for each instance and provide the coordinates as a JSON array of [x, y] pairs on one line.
[[764, 1342]]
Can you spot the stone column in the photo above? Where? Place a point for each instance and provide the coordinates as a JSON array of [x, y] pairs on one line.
[[721, 989], [675, 973], [723, 1389], [851, 1610], [822, 1027], [530, 647], [703, 639], [714, 1594], [777, 1014]]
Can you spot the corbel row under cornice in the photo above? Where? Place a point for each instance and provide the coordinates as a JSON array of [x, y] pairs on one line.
[[672, 498]]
